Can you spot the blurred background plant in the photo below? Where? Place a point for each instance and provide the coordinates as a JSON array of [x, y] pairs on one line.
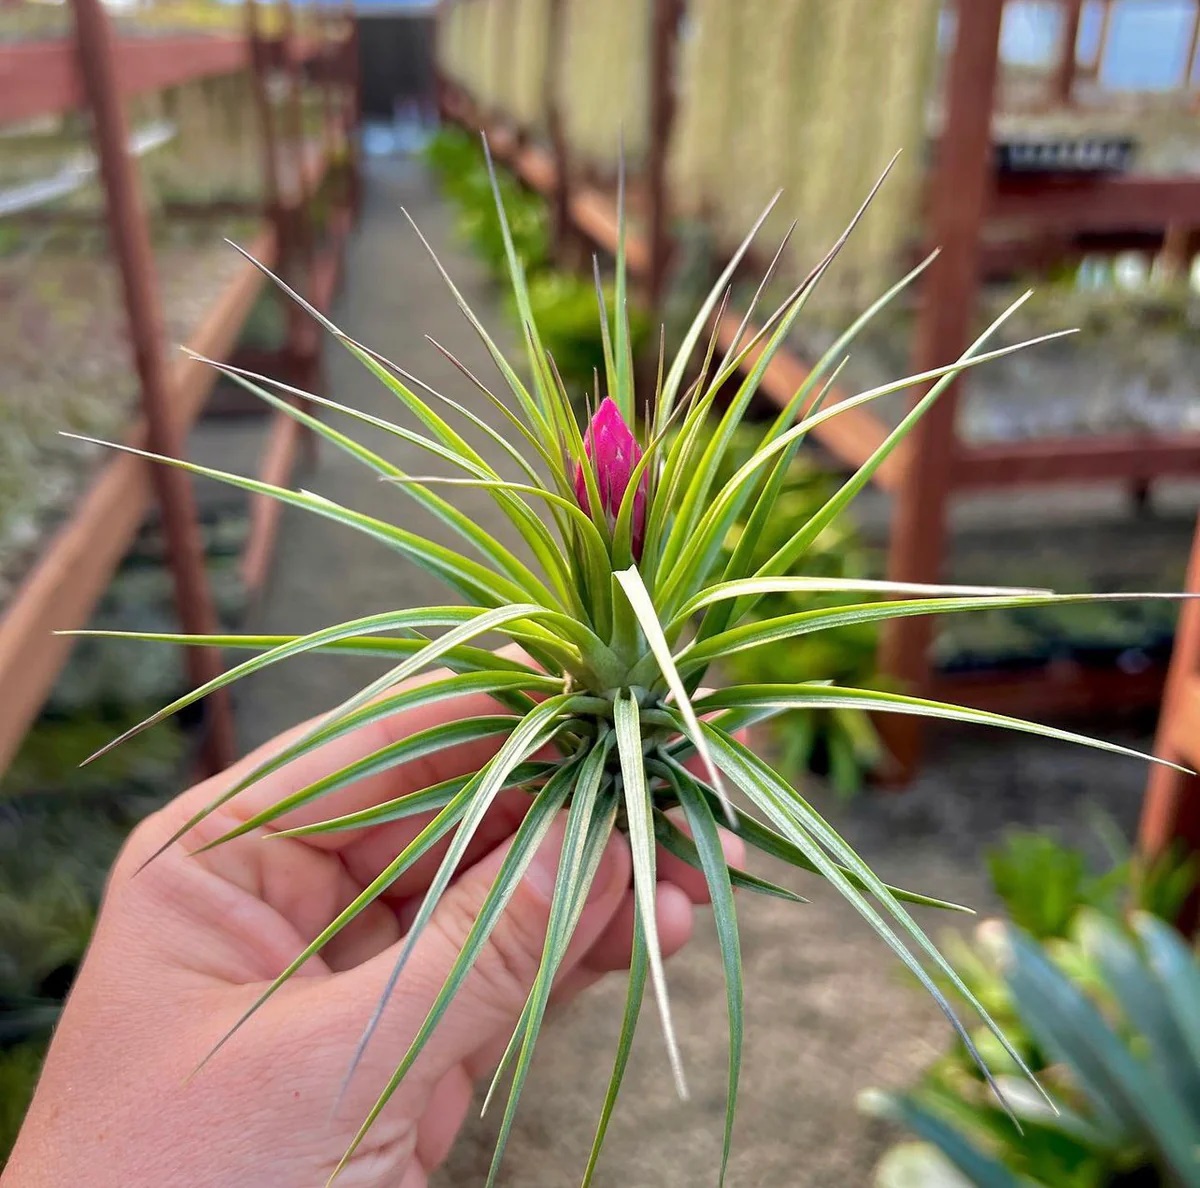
[[457, 161], [564, 307], [840, 744], [563, 302], [1102, 997]]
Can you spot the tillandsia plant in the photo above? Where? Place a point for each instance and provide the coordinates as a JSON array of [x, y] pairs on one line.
[[624, 599]]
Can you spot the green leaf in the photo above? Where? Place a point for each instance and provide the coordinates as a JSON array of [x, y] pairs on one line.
[[1069, 1028], [438, 828], [641, 846], [469, 578], [837, 697], [676, 842], [484, 542], [639, 965], [647, 617], [535, 730], [758, 586], [703, 544], [528, 837], [796, 819], [412, 803], [775, 630], [1147, 1007], [461, 658], [788, 554], [576, 871], [720, 888], [674, 380], [980, 1169], [476, 623], [528, 405], [412, 747], [700, 477], [510, 689], [1178, 973], [769, 842]]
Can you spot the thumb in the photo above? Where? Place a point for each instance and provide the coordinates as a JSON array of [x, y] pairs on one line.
[[491, 998]]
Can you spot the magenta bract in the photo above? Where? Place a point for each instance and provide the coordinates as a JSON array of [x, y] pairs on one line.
[[614, 452]]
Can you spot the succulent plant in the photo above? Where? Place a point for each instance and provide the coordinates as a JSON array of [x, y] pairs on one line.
[[624, 597], [1115, 1017]]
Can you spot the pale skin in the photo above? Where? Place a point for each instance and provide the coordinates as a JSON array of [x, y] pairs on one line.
[[182, 948]]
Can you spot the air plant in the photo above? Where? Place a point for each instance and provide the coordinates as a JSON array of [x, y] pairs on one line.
[[625, 598]]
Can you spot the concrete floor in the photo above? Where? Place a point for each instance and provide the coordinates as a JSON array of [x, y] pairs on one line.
[[829, 1012]]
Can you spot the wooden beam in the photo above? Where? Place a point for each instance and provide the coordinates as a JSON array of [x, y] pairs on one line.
[[1097, 203], [287, 434], [43, 77], [960, 187], [278, 463], [1179, 734], [1060, 690], [1189, 62], [1109, 458]]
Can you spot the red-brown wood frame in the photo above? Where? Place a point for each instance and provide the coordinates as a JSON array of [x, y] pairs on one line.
[[1171, 809], [100, 71]]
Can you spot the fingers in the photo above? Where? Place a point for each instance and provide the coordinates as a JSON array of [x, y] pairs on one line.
[[686, 876], [609, 954], [493, 994], [675, 917]]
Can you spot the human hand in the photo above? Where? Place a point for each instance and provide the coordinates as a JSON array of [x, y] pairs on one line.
[[183, 949]]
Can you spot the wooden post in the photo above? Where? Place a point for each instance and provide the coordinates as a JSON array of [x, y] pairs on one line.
[[281, 207], [300, 200], [298, 265], [1189, 64], [129, 229], [352, 80], [1102, 40], [961, 185], [664, 45], [1171, 808], [330, 56], [561, 212], [1068, 42], [266, 110]]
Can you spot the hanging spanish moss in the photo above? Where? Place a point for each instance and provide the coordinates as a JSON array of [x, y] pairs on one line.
[[606, 80], [530, 56], [808, 97]]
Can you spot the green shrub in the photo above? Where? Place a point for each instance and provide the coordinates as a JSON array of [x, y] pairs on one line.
[[840, 743], [460, 167], [1044, 884], [565, 309]]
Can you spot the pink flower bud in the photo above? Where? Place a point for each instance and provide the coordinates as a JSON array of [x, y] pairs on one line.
[[614, 452]]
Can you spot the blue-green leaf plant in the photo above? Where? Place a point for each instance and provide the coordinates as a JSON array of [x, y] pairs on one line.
[[620, 602]]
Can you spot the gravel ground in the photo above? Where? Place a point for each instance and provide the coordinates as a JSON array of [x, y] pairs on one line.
[[829, 1012]]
